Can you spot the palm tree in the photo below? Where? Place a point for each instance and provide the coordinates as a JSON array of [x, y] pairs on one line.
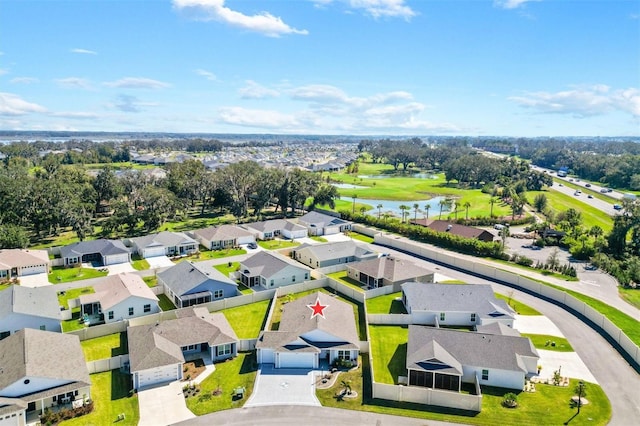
[[442, 203], [416, 206], [386, 216], [379, 206], [492, 201], [427, 207], [353, 208], [404, 209], [466, 206], [456, 204]]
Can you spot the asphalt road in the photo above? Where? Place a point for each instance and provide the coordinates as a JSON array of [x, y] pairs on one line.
[[594, 202]]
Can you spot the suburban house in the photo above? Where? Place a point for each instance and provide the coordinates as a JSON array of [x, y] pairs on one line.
[[158, 351], [163, 243], [119, 297], [388, 270], [270, 229], [443, 359], [323, 224], [313, 329], [455, 229], [329, 254], [25, 307], [104, 252], [16, 263], [270, 270], [189, 283], [43, 369], [455, 305], [223, 236]]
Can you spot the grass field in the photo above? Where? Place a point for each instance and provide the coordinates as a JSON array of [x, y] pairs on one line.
[[248, 320], [387, 304], [591, 216], [65, 275], [519, 307], [389, 352], [110, 393], [543, 341], [342, 277], [631, 295], [361, 237], [151, 280], [239, 372], [105, 347], [277, 244], [138, 263], [165, 303], [63, 299]]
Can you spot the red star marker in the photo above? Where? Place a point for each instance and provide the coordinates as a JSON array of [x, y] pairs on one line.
[[317, 308]]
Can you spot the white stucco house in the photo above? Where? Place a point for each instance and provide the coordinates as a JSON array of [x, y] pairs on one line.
[[271, 270], [42, 369], [306, 338], [103, 252], [119, 297], [455, 305], [329, 254], [388, 271], [158, 351], [323, 224], [443, 359], [15, 263], [223, 236], [25, 307], [163, 243], [270, 229]]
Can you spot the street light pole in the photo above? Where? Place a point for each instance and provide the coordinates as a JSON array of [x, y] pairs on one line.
[[580, 386]]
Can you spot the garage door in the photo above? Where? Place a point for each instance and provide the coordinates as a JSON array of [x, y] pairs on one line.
[[157, 375], [266, 356], [116, 258], [296, 360], [31, 270], [154, 251]]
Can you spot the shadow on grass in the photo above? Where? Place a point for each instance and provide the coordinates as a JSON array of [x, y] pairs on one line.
[[121, 384], [397, 364], [123, 347], [397, 307], [249, 364]]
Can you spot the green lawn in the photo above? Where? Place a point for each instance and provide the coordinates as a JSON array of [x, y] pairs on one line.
[[319, 239], [62, 239], [105, 346], [519, 307], [452, 282], [110, 394], [138, 263], [277, 244], [543, 341], [590, 215], [389, 352], [248, 320], [151, 280], [342, 277], [631, 295], [386, 304], [549, 405], [73, 323], [361, 237], [239, 372], [226, 269], [74, 293], [165, 303], [542, 272], [64, 275], [215, 254]]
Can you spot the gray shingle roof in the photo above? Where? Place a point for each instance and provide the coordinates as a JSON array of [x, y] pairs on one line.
[[38, 301], [163, 239], [42, 354], [390, 268], [156, 345], [273, 225], [320, 219], [117, 288], [296, 321], [186, 276], [102, 246], [268, 264], [221, 233], [334, 250], [465, 348], [497, 328], [477, 298]]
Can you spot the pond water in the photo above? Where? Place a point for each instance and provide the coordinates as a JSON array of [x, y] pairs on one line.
[[393, 207], [347, 186]]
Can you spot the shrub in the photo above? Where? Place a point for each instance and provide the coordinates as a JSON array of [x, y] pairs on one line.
[[510, 400]]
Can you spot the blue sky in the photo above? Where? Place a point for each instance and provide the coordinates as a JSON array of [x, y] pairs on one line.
[[369, 67]]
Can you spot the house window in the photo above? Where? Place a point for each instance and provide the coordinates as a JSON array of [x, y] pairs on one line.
[[223, 350], [344, 355], [43, 327], [3, 274], [473, 317], [131, 311], [485, 374], [293, 279], [272, 283], [147, 308], [110, 315], [218, 294], [442, 316], [306, 276]]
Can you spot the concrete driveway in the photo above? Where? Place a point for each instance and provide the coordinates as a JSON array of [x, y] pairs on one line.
[[159, 262], [536, 324], [163, 405], [283, 387], [569, 363], [35, 280], [119, 268]]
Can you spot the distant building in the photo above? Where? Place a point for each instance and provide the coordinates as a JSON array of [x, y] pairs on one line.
[[455, 229]]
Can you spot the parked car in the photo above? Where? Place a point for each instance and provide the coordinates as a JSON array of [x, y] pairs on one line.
[[617, 207], [252, 246], [498, 227]]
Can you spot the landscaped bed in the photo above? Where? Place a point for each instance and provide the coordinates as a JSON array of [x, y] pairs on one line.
[[248, 320], [216, 391]]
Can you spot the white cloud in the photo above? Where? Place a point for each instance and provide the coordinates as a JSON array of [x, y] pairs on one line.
[[511, 4], [321, 93], [206, 74], [582, 101], [137, 83], [75, 115], [24, 80], [83, 51], [128, 103], [253, 90], [11, 104], [74, 83], [3, 71], [262, 22], [266, 119], [376, 8]]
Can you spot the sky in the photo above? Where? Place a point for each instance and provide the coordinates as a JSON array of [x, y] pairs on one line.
[[353, 67]]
